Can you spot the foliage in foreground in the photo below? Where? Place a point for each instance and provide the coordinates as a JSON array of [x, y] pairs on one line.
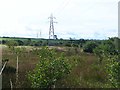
[[113, 69], [49, 69], [110, 54]]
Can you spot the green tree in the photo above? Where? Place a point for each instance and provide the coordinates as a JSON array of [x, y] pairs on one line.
[[38, 43], [113, 70], [90, 46], [105, 48], [20, 42], [11, 44], [107, 51], [28, 42], [49, 70], [99, 52], [81, 42]]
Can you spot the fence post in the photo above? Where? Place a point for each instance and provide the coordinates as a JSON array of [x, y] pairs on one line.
[[17, 72], [11, 85]]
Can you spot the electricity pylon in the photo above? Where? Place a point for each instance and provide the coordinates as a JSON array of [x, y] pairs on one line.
[[51, 29]]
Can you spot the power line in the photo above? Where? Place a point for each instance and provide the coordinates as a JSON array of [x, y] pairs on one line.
[[58, 8], [62, 6], [65, 4], [59, 11]]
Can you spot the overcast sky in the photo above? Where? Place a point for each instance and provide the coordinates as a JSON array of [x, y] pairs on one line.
[[89, 19]]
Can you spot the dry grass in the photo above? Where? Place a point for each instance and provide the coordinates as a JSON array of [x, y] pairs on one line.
[[87, 74], [27, 62], [86, 71]]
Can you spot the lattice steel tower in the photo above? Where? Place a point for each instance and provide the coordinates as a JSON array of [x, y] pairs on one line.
[[51, 29]]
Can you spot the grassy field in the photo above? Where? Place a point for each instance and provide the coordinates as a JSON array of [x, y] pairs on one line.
[[86, 71]]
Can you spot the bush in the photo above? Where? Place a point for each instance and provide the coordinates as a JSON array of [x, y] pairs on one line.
[[107, 51], [89, 47], [38, 43], [49, 69], [20, 42], [67, 44], [107, 47], [11, 44], [113, 70]]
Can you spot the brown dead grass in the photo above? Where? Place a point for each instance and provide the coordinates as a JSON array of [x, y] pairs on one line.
[[85, 74]]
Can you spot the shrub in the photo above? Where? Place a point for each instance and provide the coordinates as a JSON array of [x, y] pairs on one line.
[[49, 69], [20, 42], [11, 43], [113, 70], [89, 47], [106, 51], [68, 44]]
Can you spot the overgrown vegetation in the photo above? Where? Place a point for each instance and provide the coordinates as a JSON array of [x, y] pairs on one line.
[[49, 70], [113, 69], [108, 52], [73, 63], [89, 47]]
